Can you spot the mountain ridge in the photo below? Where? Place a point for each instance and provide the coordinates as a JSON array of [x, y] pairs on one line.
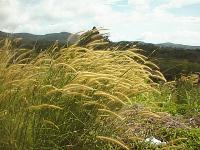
[[174, 45], [64, 37]]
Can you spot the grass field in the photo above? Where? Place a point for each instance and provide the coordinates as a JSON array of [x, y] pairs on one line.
[[79, 97]]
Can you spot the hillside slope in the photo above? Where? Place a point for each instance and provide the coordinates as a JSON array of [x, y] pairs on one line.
[[41, 41]]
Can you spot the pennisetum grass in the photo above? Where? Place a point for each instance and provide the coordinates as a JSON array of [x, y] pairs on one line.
[[69, 80]]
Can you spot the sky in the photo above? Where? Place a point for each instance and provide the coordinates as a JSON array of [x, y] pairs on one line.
[[155, 21]]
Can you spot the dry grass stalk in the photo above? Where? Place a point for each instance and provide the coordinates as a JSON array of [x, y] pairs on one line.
[[44, 106], [114, 141]]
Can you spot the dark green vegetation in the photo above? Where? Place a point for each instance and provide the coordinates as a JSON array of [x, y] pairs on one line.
[[91, 95]]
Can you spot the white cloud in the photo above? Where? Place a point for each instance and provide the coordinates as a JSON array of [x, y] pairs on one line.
[[140, 5], [178, 4], [11, 14], [153, 24], [187, 37]]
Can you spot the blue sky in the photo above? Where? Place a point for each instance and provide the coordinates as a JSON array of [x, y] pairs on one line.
[[155, 21]]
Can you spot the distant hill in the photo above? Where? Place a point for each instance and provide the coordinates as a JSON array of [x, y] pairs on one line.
[[63, 37], [172, 45], [41, 41], [168, 51]]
